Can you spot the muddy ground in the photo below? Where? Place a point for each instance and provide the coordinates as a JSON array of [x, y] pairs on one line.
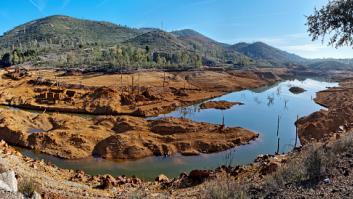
[[221, 105], [333, 121], [116, 137], [140, 94], [127, 137]]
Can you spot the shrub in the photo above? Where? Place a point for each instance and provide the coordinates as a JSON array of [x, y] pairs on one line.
[[3, 168], [223, 189], [27, 186], [344, 144], [314, 164]]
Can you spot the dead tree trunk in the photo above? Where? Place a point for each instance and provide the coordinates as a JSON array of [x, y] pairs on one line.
[[277, 151], [163, 79], [132, 84], [278, 125], [296, 134]]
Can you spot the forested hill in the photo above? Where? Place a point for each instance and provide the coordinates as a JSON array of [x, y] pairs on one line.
[[62, 41], [62, 29]]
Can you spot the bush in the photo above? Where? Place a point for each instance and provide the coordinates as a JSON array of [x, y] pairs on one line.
[[27, 186], [223, 189], [3, 168], [344, 144], [314, 164]]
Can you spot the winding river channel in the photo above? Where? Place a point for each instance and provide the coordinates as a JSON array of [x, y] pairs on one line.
[[260, 112]]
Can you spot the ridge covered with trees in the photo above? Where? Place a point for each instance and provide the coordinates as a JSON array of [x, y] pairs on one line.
[[62, 41]]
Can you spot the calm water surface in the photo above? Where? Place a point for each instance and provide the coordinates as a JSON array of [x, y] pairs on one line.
[[260, 113]]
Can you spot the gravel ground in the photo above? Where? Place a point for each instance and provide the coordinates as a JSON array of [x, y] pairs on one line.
[[9, 195]]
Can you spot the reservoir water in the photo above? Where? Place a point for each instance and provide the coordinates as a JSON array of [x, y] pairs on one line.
[[260, 112]]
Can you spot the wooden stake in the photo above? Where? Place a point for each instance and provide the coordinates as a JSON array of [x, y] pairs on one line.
[[138, 83], [163, 79], [132, 84], [121, 80], [278, 125], [277, 152], [296, 134]]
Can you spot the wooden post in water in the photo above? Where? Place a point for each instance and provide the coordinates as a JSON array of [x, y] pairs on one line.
[[277, 152], [222, 119], [278, 125], [278, 119], [296, 134]]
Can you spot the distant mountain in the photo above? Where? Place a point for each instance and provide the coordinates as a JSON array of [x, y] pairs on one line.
[[210, 48], [343, 61], [267, 54], [197, 39], [330, 64], [57, 37], [64, 29]]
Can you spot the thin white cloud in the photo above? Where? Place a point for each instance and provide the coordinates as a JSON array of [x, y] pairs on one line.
[[309, 47], [38, 4], [65, 3]]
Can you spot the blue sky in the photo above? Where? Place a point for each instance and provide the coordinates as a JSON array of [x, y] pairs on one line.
[[280, 23]]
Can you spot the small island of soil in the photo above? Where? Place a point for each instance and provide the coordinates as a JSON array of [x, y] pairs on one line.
[[222, 105], [116, 137], [296, 90]]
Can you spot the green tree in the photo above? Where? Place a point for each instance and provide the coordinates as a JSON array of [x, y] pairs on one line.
[[334, 20], [15, 58], [161, 61], [198, 61], [6, 59]]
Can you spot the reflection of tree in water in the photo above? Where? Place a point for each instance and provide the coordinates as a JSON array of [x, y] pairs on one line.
[[189, 111], [279, 90], [257, 100], [271, 99], [243, 96], [286, 103]]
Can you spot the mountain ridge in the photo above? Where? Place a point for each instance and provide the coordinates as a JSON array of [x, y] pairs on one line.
[[66, 33]]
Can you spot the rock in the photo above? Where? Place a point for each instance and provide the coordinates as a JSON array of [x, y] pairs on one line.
[[269, 168], [199, 175], [8, 181], [36, 195], [162, 179], [222, 105], [296, 90], [108, 182]]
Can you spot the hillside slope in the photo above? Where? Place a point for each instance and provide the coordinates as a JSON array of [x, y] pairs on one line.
[[66, 41], [157, 40], [63, 29], [267, 54]]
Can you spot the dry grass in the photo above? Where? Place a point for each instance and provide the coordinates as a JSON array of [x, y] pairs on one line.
[[3, 168], [27, 186], [312, 165], [223, 188]]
